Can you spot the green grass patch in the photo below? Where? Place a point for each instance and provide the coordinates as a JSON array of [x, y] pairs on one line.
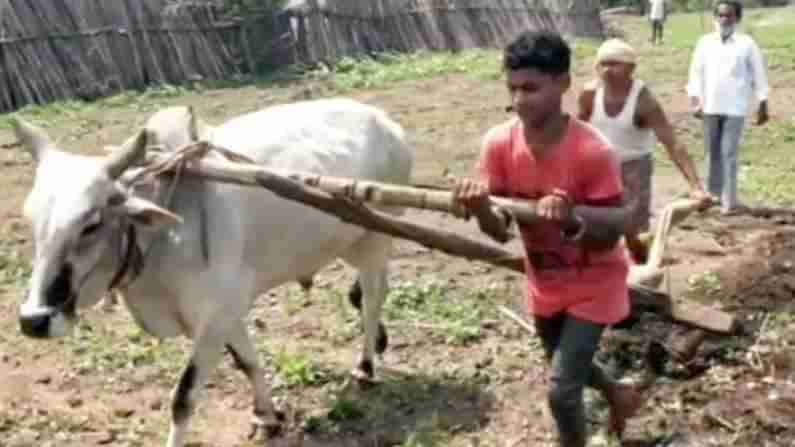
[[70, 110], [770, 27], [295, 369], [767, 164], [351, 73], [411, 410], [103, 349], [451, 312], [428, 434], [14, 267], [342, 411], [704, 284], [370, 72]]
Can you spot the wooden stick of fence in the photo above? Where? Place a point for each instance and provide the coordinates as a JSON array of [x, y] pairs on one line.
[[288, 185]]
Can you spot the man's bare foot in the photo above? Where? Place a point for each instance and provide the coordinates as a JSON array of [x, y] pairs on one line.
[[625, 400]]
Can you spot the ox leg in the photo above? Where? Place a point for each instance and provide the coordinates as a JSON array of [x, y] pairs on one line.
[[355, 298], [109, 301], [207, 354], [370, 256], [306, 284], [244, 355]]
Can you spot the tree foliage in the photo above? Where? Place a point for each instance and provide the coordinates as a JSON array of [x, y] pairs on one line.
[[686, 5], [249, 7], [232, 8]]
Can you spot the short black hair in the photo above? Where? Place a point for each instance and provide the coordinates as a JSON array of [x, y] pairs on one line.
[[737, 6], [544, 51]]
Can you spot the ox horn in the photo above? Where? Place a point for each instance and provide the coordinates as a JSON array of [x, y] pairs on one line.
[[132, 150], [31, 137], [193, 126]]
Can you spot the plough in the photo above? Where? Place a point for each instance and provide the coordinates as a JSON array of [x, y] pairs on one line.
[[347, 198]]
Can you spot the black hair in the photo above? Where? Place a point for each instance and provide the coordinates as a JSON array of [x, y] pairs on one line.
[[737, 6], [544, 51]]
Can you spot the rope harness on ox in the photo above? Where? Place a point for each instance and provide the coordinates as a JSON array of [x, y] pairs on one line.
[[132, 255], [132, 261]]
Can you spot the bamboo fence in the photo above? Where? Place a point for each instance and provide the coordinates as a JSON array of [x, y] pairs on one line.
[[328, 30], [88, 48], [56, 49]]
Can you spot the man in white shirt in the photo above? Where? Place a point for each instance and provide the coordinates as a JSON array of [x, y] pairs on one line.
[[657, 20], [726, 73]]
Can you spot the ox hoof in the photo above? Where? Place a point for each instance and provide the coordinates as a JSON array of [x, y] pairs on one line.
[[107, 305], [363, 375], [363, 381], [269, 426]]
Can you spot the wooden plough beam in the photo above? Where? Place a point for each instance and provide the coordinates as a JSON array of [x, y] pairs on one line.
[[345, 202]]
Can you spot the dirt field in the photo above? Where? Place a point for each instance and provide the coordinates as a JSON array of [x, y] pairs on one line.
[[109, 383]]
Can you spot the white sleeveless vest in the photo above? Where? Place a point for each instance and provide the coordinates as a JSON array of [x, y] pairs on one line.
[[629, 141]]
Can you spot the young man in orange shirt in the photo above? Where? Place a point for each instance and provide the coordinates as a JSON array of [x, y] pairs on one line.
[[576, 274]]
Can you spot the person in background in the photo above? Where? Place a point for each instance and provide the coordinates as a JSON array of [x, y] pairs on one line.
[[657, 16], [576, 274], [628, 114], [726, 73]]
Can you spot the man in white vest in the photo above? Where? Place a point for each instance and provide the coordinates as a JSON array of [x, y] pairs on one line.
[[726, 74], [630, 117]]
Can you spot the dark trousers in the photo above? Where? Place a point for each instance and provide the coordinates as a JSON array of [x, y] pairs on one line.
[[570, 344], [657, 31]]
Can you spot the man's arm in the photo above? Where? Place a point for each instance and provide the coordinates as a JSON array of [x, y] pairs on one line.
[[491, 180], [602, 212], [695, 84], [585, 103], [602, 225], [474, 196], [651, 112], [761, 86]]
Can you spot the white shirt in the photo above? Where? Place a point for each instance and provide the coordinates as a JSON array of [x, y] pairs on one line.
[[657, 10], [629, 141], [726, 76]]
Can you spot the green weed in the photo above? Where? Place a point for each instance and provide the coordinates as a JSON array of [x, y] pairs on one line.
[[371, 72], [14, 267], [707, 283], [70, 110], [297, 370], [102, 349], [454, 313], [767, 163], [427, 434]]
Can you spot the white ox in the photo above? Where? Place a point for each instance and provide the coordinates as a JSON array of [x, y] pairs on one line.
[[89, 229]]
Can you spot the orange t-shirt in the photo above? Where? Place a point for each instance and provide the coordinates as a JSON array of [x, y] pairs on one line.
[[588, 285]]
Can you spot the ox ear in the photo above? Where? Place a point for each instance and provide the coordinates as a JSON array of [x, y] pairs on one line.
[[34, 139], [145, 213]]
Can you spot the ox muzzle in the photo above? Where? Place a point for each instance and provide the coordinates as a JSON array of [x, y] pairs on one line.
[[46, 322]]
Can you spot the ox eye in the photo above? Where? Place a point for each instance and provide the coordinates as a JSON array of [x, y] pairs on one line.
[[93, 226]]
